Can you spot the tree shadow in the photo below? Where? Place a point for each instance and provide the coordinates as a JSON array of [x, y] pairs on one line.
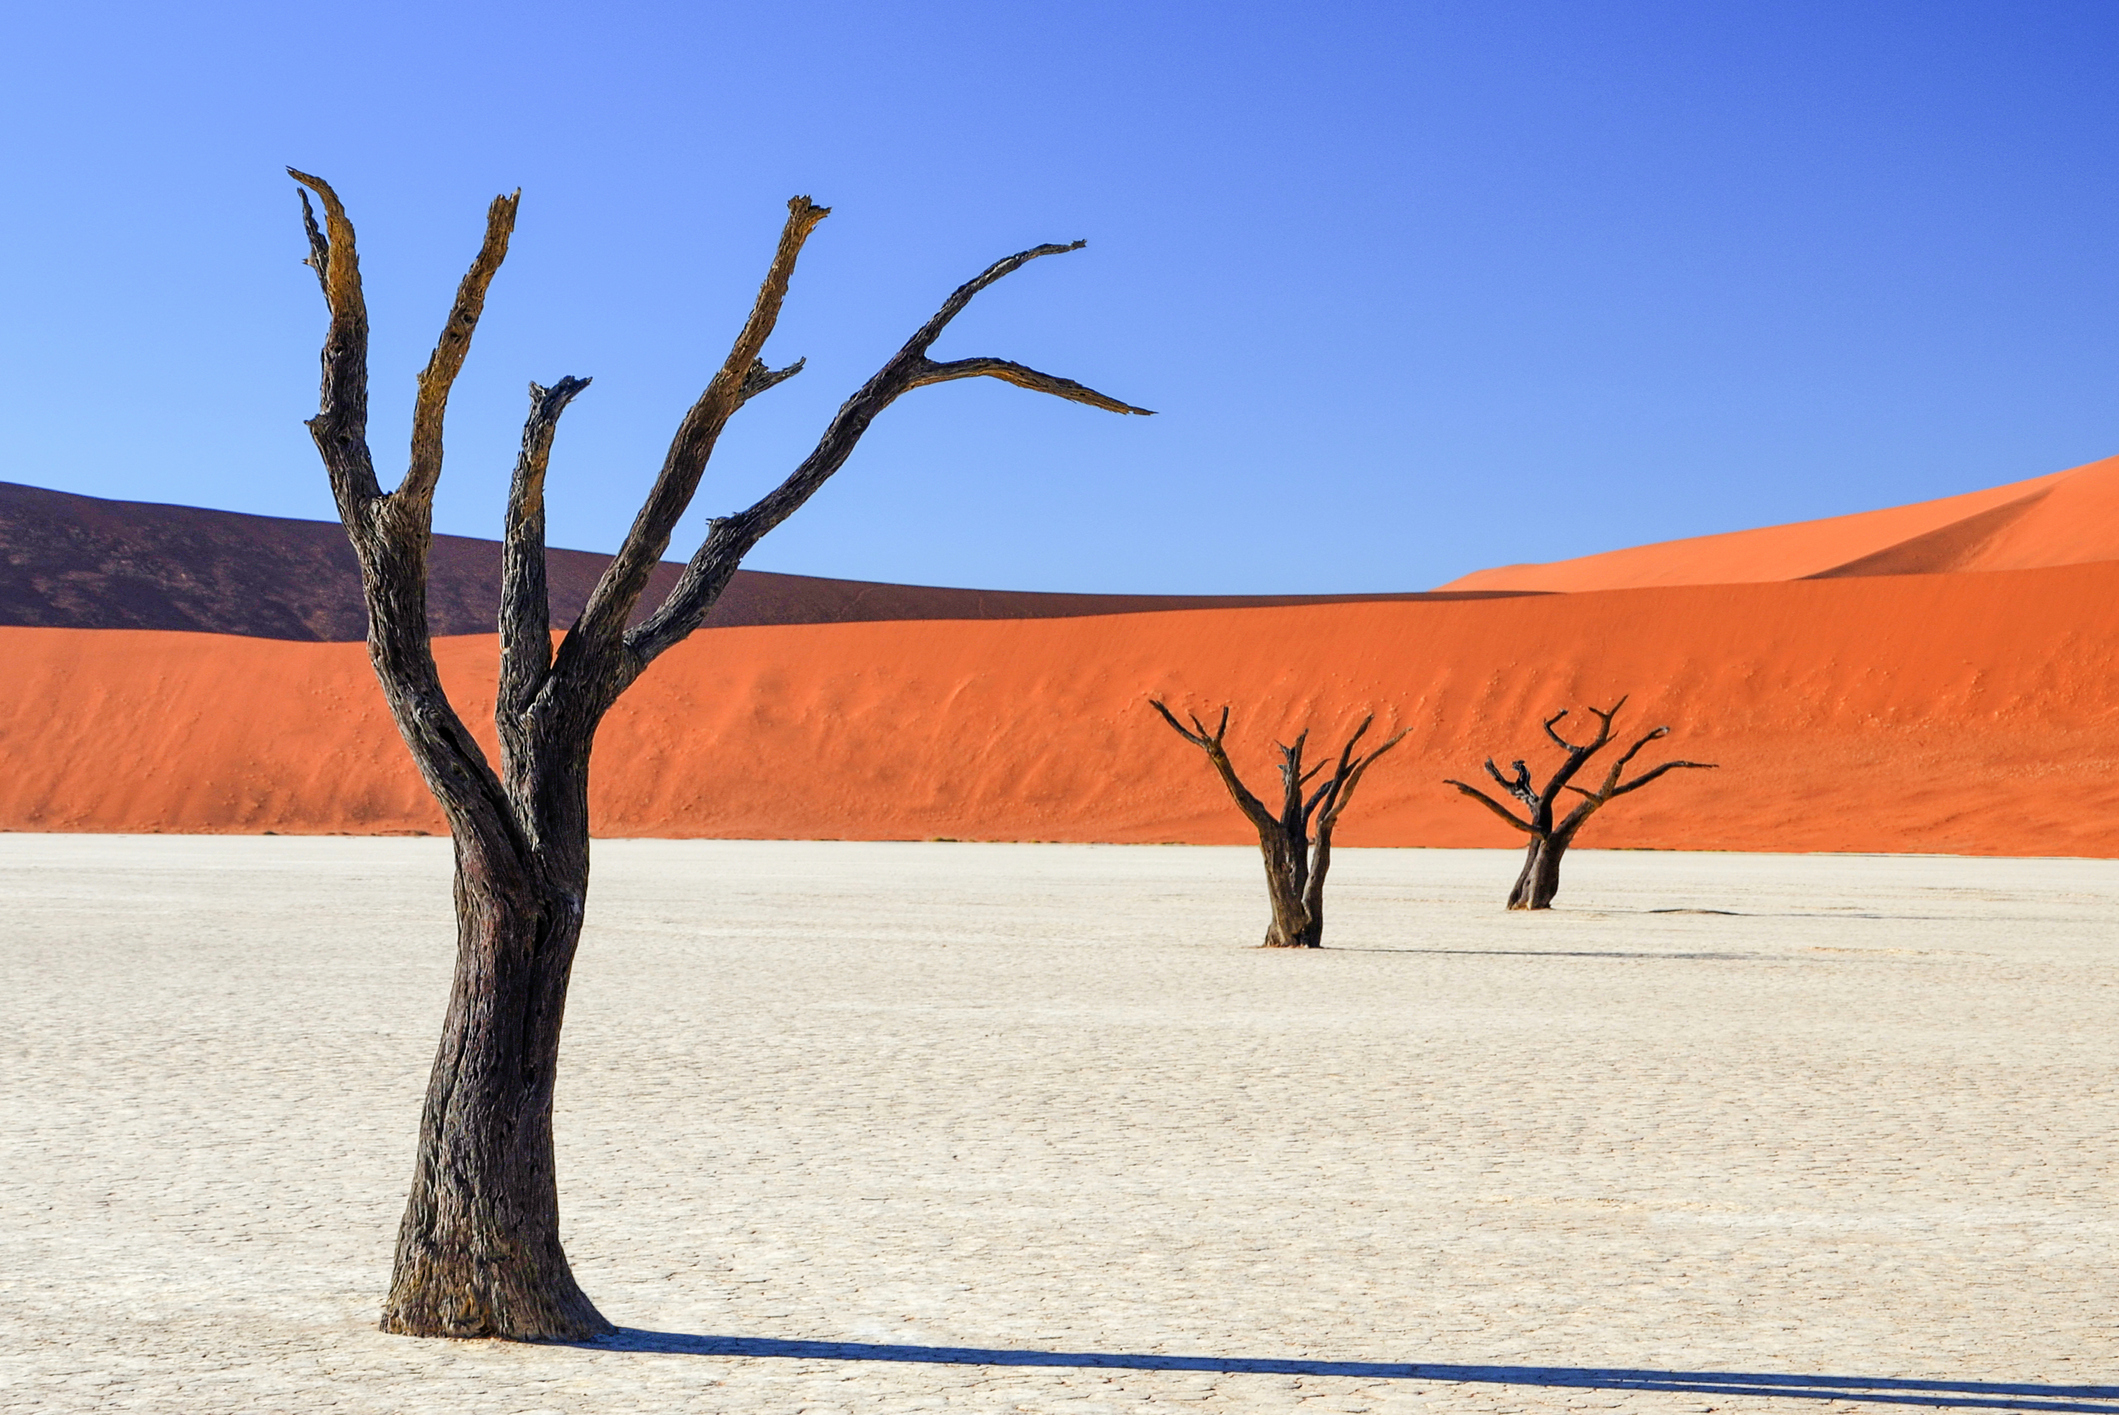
[[1972, 1395]]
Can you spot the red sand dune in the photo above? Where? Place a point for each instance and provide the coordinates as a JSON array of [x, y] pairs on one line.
[[1959, 713], [2067, 518]]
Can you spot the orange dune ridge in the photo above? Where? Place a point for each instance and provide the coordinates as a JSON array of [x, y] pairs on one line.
[[2066, 518], [1970, 714]]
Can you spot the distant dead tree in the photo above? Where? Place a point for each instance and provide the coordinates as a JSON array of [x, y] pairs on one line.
[[478, 1253], [1296, 861], [1540, 880]]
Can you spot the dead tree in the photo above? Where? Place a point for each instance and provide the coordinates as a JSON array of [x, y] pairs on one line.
[[1296, 860], [478, 1253], [1540, 880]]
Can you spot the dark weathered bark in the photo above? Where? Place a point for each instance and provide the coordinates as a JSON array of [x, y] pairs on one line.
[[478, 1253], [1539, 882], [1296, 861]]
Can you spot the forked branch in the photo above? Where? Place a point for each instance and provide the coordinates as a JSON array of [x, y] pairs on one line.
[[1540, 880], [741, 377], [730, 537], [390, 532], [423, 468], [1491, 804], [1296, 844], [1211, 743], [1348, 776], [478, 1251], [340, 426]]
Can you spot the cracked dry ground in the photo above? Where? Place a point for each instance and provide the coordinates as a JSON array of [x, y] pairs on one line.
[[883, 1127]]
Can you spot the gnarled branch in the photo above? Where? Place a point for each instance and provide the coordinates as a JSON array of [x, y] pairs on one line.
[[340, 426], [1491, 804], [423, 469], [761, 378], [1211, 743], [1539, 882], [730, 537], [1518, 785], [1292, 776], [392, 548], [1351, 770], [1642, 780], [525, 602], [602, 624], [1021, 377]]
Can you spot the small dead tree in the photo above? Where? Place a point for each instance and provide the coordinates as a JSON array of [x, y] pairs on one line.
[[478, 1253], [1540, 880], [1296, 859]]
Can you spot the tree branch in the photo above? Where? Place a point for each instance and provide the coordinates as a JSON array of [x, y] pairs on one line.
[[1492, 805], [1250, 805], [1611, 778], [1638, 782], [340, 426], [1021, 377], [319, 257], [1344, 796], [392, 551], [1577, 756], [1198, 739], [525, 603], [729, 538], [1337, 782], [761, 378], [601, 628], [423, 469], [1292, 815], [1518, 787]]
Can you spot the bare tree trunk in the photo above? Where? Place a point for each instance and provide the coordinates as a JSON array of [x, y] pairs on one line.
[[1294, 923], [1539, 882], [478, 1253], [1295, 863]]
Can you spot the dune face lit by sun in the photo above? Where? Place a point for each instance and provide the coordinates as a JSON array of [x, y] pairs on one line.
[[2067, 518], [1962, 713]]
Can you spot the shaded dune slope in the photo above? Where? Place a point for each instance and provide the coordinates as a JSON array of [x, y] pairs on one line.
[[1957, 713], [2066, 518], [86, 563]]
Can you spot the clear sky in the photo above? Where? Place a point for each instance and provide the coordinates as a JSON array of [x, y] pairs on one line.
[[1416, 288]]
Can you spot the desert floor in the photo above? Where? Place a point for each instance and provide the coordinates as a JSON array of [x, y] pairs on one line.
[[891, 1127]]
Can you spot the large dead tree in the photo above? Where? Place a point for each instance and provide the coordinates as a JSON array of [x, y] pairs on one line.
[[1540, 880], [1297, 843], [478, 1253]]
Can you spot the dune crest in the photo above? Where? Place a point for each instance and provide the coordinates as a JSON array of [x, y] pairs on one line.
[[81, 562], [2064, 518]]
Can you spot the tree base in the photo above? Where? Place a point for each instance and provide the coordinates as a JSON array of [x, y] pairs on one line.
[[1278, 936], [436, 1293]]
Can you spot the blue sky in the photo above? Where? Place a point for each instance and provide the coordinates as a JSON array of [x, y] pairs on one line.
[[1415, 288]]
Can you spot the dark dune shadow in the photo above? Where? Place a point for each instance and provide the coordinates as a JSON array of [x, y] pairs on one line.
[[1972, 1395]]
